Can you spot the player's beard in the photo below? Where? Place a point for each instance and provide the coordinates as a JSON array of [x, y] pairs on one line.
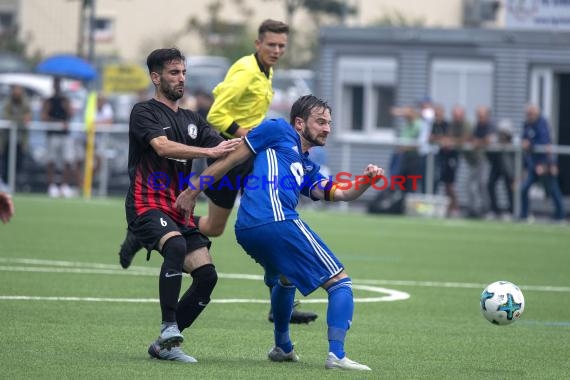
[[314, 139], [171, 92]]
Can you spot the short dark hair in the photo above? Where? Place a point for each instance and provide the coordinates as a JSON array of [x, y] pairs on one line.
[[304, 105], [159, 57], [272, 26]]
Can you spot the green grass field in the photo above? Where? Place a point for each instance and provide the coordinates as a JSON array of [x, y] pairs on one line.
[[61, 286]]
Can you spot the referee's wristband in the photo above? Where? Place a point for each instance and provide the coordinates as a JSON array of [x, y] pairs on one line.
[[232, 129]]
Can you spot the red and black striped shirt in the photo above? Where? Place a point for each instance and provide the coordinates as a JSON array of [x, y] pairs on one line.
[[157, 181]]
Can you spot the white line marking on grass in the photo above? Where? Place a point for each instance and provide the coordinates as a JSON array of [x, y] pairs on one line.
[[435, 284], [392, 295], [8, 268], [55, 266], [59, 263]]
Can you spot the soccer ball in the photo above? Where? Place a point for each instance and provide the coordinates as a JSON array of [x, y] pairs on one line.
[[502, 303]]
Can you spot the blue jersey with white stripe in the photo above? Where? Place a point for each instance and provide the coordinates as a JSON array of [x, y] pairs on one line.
[[281, 172]]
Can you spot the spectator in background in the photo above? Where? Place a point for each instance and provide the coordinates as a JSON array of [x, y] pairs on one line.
[[427, 110], [17, 109], [459, 133], [427, 115], [439, 129], [448, 156], [476, 182], [407, 156], [539, 165], [57, 109], [502, 167], [104, 114]]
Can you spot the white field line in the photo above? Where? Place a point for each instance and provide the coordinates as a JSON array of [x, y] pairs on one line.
[[391, 295], [56, 266], [53, 266], [468, 285]]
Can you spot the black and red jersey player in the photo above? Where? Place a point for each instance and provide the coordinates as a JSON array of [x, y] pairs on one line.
[[163, 140], [157, 180]]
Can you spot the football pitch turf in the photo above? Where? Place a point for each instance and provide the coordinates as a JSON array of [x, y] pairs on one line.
[[69, 311]]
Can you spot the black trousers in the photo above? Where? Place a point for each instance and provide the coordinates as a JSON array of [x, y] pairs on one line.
[[497, 173]]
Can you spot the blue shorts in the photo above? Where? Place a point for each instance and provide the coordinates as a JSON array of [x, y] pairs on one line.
[[290, 248]]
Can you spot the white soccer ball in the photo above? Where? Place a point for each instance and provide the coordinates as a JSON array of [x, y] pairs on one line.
[[502, 303]]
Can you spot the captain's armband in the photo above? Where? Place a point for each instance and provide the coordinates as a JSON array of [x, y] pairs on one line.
[[329, 190]]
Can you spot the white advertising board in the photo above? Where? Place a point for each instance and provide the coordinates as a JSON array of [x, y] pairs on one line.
[[537, 14]]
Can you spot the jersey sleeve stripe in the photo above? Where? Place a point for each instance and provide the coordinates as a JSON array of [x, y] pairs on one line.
[[249, 145], [273, 175]]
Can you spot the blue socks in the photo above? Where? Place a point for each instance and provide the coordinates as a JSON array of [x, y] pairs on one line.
[[282, 298], [339, 314]]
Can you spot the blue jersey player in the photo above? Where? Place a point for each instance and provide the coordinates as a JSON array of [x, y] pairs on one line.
[[269, 229]]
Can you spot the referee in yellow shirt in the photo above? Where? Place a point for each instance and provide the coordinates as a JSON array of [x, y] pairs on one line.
[[241, 102]]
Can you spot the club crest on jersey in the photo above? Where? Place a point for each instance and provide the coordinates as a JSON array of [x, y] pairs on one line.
[[192, 131]]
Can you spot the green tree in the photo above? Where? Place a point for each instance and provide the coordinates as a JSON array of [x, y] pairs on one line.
[[397, 18], [229, 39], [9, 41], [335, 8], [235, 39]]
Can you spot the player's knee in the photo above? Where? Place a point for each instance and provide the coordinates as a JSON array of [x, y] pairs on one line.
[[205, 279], [284, 282], [344, 284], [174, 251], [341, 277]]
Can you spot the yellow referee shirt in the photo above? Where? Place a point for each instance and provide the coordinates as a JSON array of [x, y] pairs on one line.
[[243, 98]]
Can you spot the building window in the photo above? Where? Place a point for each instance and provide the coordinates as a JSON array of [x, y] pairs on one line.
[[353, 99], [368, 90], [6, 21], [385, 98], [104, 29], [468, 83]]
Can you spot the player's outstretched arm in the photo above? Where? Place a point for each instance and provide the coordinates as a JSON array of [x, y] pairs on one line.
[[349, 191], [6, 207], [187, 199], [166, 148]]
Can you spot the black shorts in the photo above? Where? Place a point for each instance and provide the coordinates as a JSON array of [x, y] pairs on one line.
[[151, 226], [224, 192]]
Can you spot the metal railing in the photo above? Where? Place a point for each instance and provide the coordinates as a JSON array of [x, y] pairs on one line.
[[516, 148], [105, 131]]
